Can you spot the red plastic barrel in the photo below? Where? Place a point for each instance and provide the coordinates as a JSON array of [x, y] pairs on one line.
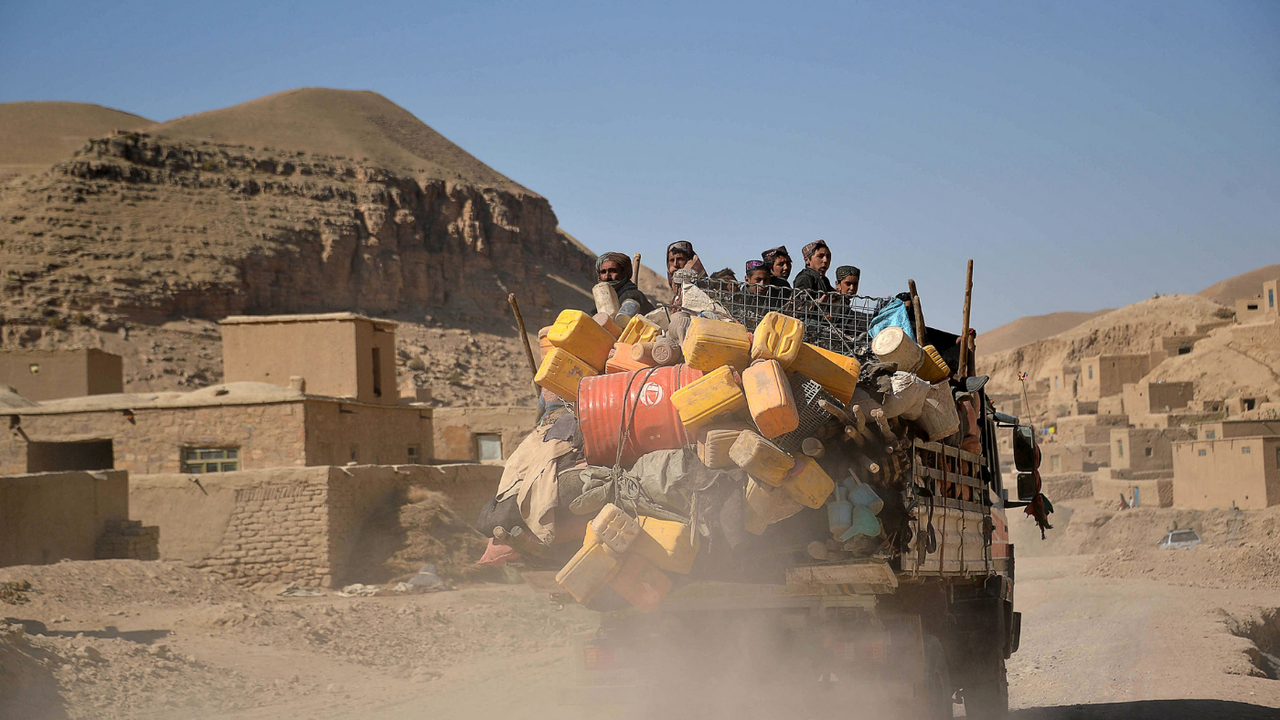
[[643, 399]]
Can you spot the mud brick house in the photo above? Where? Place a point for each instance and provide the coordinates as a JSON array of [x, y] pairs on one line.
[[52, 374], [1232, 463]]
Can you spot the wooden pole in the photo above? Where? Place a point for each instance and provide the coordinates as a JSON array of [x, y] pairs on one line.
[[919, 313], [635, 268], [964, 329], [524, 337]]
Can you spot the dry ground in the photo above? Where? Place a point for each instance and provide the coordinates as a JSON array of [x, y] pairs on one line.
[[1131, 634]]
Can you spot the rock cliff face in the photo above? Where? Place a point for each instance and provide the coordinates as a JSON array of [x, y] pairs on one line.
[[139, 228]]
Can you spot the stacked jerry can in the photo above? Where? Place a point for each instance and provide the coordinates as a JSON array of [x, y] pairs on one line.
[[729, 398]]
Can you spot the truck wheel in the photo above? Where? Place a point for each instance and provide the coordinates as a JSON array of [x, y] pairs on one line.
[[937, 681], [990, 700]]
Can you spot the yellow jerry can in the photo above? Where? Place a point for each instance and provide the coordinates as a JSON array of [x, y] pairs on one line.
[[588, 571], [766, 505], [777, 337], [580, 335], [714, 442], [614, 528], [836, 373], [713, 396], [561, 372], [769, 398], [665, 543], [762, 460], [712, 344], [808, 484], [639, 330]]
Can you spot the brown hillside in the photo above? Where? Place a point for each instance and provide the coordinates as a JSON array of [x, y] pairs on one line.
[[38, 134], [1031, 328], [166, 232], [1136, 328], [356, 124], [1244, 285]]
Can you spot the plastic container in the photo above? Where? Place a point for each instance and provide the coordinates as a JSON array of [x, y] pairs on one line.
[[605, 321], [639, 330], [678, 326], [666, 352], [544, 345], [808, 484], [762, 459], [665, 543], [642, 399], [620, 360], [714, 442], [712, 344], [714, 396], [606, 298], [614, 528], [643, 353], [864, 495], [907, 396], [777, 337], [939, 417], [641, 583], [815, 363], [660, 317], [894, 345], [769, 398], [766, 505], [590, 569], [576, 333], [863, 522], [839, 513], [933, 368], [561, 372]]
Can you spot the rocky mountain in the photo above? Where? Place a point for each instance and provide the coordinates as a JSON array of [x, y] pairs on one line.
[[310, 200], [1031, 328], [38, 134]]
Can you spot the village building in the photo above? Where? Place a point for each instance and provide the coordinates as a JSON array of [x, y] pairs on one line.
[[1239, 466], [267, 477], [1264, 307], [1105, 375], [52, 374]]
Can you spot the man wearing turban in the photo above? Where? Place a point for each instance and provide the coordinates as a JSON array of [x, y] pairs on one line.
[[615, 269]]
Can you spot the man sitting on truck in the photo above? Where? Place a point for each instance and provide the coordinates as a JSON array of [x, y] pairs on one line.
[[847, 277], [615, 269], [817, 258]]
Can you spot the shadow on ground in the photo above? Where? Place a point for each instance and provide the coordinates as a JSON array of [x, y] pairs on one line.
[[1152, 710], [145, 637]]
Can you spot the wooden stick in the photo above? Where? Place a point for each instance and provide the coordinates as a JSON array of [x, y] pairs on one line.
[[919, 313], [964, 330], [524, 335], [635, 268]]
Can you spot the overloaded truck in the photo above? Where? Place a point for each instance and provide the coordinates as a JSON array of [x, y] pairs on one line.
[[801, 509]]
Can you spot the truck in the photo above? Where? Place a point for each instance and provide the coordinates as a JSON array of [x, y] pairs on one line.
[[906, 624]]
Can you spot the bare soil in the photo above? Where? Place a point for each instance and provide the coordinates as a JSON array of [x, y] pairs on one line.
[[1126, 632]]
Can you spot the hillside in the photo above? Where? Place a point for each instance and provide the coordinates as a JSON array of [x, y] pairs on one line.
[[1135, 328], [38, 134], [359, 125], [1244, 285], [306, 201], [1031, 328]]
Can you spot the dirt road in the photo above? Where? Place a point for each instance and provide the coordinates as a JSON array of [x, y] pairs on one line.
[[1092, 649]]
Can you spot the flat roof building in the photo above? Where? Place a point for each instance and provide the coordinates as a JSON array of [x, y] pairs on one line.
[[53, 374]]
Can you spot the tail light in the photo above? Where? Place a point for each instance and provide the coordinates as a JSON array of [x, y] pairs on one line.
[[598, 659]]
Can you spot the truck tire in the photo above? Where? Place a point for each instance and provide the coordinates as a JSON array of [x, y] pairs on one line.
[[990, 700], [937, 681]]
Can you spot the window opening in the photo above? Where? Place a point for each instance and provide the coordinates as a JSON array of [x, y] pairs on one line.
[[1090, 372], [1245, 404], [488, 446], [199, 460], [1181, 350], [1251, 307], [415, 454], [377, 372], [1208, 434], [1202, 453], [353, 453], [1119, 443], [1148, 450], [1246, 450]]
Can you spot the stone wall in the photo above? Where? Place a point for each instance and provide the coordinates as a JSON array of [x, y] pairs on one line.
[[45, 517], [294, 433], [1151, 493], [150, 440], [289, 524]]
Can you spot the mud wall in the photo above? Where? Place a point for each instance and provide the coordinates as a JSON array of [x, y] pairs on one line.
[[45, 517]]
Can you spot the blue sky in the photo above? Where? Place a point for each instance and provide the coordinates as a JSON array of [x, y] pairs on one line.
[[1085, 154]]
